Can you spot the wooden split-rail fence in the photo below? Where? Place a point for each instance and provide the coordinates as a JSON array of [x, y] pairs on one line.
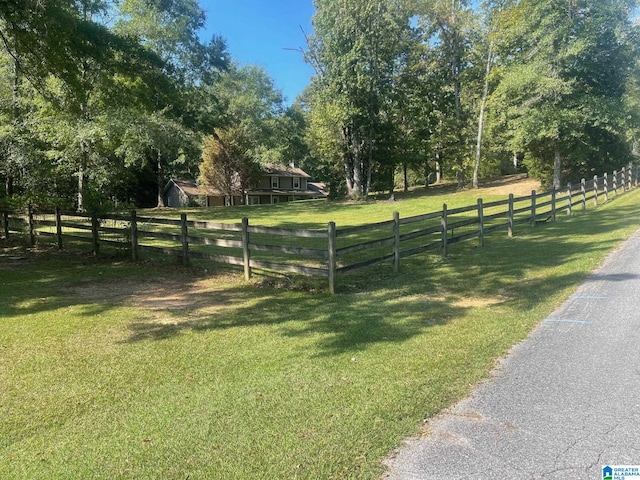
[[322, 252]]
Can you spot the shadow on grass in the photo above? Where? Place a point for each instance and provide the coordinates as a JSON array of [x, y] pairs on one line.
[[340, 326], [372, 306], [377, 306]]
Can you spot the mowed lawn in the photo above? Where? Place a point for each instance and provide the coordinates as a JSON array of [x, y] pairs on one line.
[[316, 214], [116, 370]]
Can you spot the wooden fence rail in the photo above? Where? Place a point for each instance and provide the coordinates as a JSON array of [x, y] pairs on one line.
[[321, 252]]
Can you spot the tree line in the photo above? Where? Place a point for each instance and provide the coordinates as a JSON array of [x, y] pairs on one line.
[[450, 87], [101, 101]]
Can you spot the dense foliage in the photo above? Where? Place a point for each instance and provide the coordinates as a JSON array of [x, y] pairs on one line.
[[444, 87], [102, 101]]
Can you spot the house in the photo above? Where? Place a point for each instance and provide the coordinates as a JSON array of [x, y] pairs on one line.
[[184, 193], [276, 184], [187, 193], [282, 184]]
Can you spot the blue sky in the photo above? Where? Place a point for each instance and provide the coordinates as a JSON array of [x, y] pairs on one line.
[[258, 31]]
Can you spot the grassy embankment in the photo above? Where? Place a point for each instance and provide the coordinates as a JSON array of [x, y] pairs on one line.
[[114, 370]]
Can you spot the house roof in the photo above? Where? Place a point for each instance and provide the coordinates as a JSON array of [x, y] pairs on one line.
[[191, 188], [318, 188], [282, 171]]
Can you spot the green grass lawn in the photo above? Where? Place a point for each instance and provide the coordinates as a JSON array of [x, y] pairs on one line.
[[316, 214], [118, 370]]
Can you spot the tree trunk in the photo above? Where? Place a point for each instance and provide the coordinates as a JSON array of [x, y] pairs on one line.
[[84, 148], [159, 181], [348, 175], [392, 183], [8, 185], [460, 178], [358, 172], [15, 118], [438, 170], [405, 178], [84, 155], [80, 189], [367, 183], [349, 162], [457, 87], [369, 159], [426, 170], [483, 102], [557, 170]]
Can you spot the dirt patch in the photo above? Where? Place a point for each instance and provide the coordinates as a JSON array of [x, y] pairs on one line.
[[477, 302], [155, 295], [518, 185], [472, 302]]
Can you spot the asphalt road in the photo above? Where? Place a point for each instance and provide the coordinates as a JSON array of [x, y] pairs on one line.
[[564, 403]]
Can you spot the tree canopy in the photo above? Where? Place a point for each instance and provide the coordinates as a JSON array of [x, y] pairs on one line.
[[102, 101]]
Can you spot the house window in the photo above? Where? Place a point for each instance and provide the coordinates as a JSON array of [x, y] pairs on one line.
[[296, 183], [275, 182], [254, 200]]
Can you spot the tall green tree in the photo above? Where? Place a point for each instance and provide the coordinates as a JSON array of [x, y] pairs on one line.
[[249, 100], [227, 163], [164, 145], [355, 51], [83, 70], [448, 27], [255, 129], [566, 67]]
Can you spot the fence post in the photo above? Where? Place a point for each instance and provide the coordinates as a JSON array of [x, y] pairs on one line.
[[59, 228], [32, 236], [510, 220], [444, 223], [606, 187], [553, 204], [595, 190], [615, 183], [333, 260], [583, 192], [396, 242], [629, 175], [533, 207], [480, 223], [246, 254], [134, 236], [184, 235], [623, 180], [95, 235], [570, 203]]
